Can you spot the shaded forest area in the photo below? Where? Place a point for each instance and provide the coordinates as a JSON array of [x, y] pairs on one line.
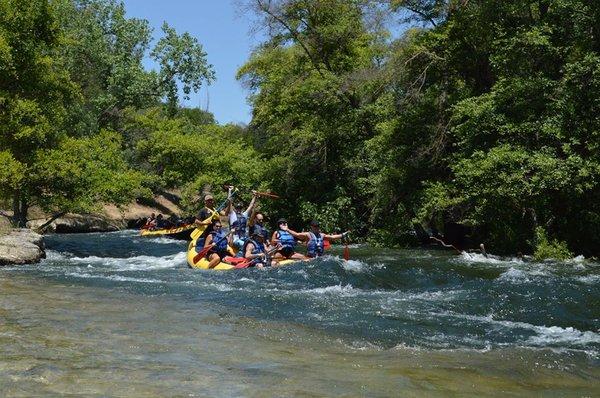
[[478, 121]]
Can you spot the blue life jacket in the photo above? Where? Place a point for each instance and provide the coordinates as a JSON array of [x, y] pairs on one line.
[[316, 245], [220, 241], [258, 247], [200, 244], [242, 224], [286, 239]]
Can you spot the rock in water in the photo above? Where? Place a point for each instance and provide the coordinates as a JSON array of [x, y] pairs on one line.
[[21, 246]]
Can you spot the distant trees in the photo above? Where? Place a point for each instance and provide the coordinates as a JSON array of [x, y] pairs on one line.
[[70, 69], [484, 115]]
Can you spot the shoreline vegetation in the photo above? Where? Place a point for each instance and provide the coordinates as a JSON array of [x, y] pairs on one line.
[[466, 121]]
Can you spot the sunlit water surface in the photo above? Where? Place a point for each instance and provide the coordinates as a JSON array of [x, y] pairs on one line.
[[115, 314]]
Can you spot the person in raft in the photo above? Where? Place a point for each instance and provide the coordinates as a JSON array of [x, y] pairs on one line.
[[206, 216], [256, 249], [315, 238], [238, 220], [150, 222], [217, 240], [287, 241], [258, 222]]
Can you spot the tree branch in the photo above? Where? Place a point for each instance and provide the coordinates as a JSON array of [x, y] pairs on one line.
[[444, 244]]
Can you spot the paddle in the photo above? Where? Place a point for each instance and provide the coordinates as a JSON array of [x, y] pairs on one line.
[[267, 194], [205, 250], [201, 228], [346, 249]]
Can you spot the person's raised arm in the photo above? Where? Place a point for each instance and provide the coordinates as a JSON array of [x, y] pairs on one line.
[[251, 205], [336, 236], [297, 235]]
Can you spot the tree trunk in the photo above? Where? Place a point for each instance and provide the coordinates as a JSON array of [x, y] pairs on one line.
[[45, 225], [20, 207]]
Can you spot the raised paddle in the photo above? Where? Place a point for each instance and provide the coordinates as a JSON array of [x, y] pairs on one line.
[[267, 194]]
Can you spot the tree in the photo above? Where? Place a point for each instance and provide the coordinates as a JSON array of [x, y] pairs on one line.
[[48, 161], [103, 51], [34, 92], [313, 84]]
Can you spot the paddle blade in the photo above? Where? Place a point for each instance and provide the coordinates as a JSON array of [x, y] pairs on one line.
[[244, 264], [201, 254], [268, 195], [346, 253], [326, 244]]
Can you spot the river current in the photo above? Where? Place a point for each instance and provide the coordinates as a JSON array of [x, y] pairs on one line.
[[115, 314]]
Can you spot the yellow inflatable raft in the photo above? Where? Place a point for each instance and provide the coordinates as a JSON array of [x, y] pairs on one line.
[[202, 263], [182, 232]]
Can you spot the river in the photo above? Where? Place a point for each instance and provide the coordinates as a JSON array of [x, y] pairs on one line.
[[114, 314]]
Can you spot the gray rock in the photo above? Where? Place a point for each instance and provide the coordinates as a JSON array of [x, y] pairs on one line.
[[76, 223], [21, 246]]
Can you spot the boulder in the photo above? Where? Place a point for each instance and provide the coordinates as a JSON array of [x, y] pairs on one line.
[[76, 223], [21, 246]]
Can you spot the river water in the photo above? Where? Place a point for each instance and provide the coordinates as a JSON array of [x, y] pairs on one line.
[[114, 314]]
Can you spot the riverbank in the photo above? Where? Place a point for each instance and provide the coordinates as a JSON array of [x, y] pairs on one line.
[[109, 219]]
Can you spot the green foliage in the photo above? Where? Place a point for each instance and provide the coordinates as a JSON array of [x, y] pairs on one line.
[[182, 60], [103, 51], [12, 173], [195, 157], [487, 117], [549, 249], [83, 173], [338, 215], [70, 67]]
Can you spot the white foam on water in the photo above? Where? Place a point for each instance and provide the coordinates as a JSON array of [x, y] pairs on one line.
[[489, 259], [514, 275], [545, 335], [557, 335], [576, 260], [439, 295], [117, 278], [133, 263], [53, 255], [346, 290], [357, 265], [160, 241], [526, 272], [589, 279], [223, 287]]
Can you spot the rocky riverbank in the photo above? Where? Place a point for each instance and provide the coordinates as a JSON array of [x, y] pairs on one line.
[[110, 218], [21, 246]]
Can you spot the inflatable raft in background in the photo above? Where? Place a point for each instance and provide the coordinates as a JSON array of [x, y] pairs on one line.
[[181, 233]]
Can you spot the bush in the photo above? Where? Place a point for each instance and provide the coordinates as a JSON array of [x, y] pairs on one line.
[[549, 249]]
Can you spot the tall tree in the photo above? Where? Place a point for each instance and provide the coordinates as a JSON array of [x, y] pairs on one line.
[[313, 83], [35, 91]]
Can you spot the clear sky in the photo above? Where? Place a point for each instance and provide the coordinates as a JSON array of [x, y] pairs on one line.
[[225, 36]]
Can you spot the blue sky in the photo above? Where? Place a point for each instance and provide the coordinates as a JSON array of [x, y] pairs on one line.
[[226, 39]]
